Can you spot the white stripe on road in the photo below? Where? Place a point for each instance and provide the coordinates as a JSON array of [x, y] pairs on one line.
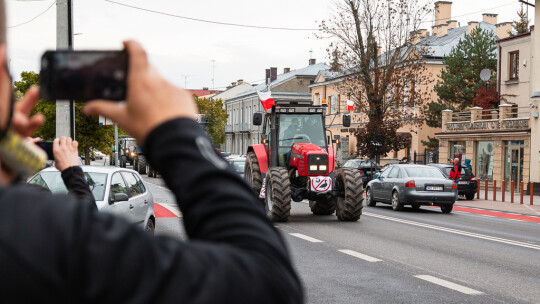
[[305, 237], [447, 284], [360, 255], [455, 231]]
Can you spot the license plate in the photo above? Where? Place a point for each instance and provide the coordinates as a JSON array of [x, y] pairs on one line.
[[463, 182], [434, 188]]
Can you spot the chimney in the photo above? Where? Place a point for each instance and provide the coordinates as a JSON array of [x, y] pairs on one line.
[[273, 74], [490, 18], [205, 88], [415, 37], [440, 30], [452, 24], [286, 70], [267, 79], [240, 81], [443, 12], [471, 25], [502, 29], [312, 61], [233, 84]]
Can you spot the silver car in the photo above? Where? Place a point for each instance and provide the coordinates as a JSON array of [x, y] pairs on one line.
[[116, 190], [413, 185]]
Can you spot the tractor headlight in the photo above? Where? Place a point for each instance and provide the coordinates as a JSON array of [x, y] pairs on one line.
[[313, 168], [132, 153], [322, 168], [317, 164]]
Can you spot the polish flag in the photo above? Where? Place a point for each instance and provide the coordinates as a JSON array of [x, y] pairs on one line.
[[266, 99], [350, 105]]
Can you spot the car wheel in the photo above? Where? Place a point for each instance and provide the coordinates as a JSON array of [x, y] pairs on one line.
[[469, 196], [369, 198], [396, 205], [447, 208], [150, 227]]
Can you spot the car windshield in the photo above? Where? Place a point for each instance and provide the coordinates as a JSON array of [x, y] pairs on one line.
[[52, 180], [238, 165], [424, 172]]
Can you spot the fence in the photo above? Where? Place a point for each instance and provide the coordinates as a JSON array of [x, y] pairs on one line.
[[484, 188], [427, 158]]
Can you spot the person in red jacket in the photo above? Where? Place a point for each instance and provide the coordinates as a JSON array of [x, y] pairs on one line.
[[455, 173]]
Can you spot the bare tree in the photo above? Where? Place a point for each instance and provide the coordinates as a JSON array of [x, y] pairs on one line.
[[376, 46]]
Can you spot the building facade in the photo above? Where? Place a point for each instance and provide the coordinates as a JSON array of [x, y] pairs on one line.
[[289, 86]]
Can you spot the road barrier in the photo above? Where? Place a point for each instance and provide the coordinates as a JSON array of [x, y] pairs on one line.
[[512, 192], [486, 191], [503, 190], [495, 190], [521, 193], [503, 187], [531, 192]]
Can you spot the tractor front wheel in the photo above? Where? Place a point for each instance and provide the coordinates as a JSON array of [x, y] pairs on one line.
[[278, 195], [323, 207], [349, 206]]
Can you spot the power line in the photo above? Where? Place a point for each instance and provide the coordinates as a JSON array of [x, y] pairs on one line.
[[268, 27], [26, 22]]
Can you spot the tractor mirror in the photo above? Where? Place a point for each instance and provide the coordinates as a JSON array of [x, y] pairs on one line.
[[346, 120], [257, 119]]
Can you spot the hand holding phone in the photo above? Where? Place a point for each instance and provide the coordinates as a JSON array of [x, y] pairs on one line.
[[47, 146], [83, 75]]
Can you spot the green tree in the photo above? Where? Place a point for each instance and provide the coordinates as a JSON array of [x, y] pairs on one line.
[[88, 132], [521, 25], [460, 79], [217, 118]]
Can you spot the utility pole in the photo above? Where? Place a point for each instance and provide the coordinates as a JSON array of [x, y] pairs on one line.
[[185, 80], [65, 109], [213, 72]]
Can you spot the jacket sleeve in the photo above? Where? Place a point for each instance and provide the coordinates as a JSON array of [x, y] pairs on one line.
[[234, 255], [77, 185]]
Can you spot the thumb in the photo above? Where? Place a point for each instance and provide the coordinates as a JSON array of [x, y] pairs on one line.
[[112, 110]]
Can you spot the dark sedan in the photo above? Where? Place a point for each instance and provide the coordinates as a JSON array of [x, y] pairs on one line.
[[413, 185], [366, 167], [467, 185]]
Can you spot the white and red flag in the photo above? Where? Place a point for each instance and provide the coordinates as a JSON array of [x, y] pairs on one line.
[[350, 105], [266, 99]]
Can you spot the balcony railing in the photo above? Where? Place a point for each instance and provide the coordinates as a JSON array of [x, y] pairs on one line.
[[505, 117]]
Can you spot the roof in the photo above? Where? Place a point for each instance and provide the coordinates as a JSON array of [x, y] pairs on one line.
[[204, 92], [233, 91], [310, 70]]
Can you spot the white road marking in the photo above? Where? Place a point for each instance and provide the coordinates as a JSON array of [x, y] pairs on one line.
[[161, 187], [305, 237], [455, 231], [360, 255], [447, 284]]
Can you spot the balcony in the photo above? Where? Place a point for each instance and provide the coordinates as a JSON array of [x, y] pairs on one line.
[[506, 117]]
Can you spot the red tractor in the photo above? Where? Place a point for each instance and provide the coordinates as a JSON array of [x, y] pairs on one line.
[[295, 161]]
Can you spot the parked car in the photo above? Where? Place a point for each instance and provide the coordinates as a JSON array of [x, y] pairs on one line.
[[467, 185], [238, 164], [367, 168], [413, 185], [116, 190]]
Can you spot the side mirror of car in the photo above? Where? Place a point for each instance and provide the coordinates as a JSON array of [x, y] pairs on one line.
[[119, 197], [376, 175], [257, 119]]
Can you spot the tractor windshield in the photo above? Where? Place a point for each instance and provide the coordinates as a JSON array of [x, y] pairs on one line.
[[299, 128]]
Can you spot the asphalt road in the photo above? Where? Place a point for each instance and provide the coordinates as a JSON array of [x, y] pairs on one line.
[[403, 257]]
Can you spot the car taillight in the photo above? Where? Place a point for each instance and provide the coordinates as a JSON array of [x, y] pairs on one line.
[[454, 185], [473, 179], [410, 184], [361, 172]]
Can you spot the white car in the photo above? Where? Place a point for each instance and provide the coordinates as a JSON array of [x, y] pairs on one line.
[[116, 190]]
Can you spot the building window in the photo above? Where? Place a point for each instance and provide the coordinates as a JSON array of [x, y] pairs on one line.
[[333, 104], [514, 66], [484, 159]]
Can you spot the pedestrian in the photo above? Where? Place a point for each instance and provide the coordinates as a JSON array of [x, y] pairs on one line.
[[57, 248], [455, 174], [468, 164], [404, 160]]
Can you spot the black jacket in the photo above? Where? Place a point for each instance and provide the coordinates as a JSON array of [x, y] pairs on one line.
[[57, 248]]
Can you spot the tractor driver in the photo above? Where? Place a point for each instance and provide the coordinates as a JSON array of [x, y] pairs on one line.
[[292, 130]]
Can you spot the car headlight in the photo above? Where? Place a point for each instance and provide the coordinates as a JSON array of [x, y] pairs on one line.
[[313, 167], [322, 168]]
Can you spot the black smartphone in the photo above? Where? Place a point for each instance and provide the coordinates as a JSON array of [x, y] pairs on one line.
[[47, 146], [83, 75]]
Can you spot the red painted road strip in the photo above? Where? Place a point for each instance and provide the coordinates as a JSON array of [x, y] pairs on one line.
[[511, 216], [162, 212]]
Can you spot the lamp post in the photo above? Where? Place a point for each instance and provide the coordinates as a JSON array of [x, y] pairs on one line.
[[65, 110]]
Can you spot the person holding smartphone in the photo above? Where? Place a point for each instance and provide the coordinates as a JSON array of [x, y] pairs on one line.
[[56, 248]]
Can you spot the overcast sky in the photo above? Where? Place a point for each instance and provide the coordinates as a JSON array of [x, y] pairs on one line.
[[183, 50]]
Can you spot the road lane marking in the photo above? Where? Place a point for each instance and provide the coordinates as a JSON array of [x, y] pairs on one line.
[[455, 231], [447, 284], [305, 237], [164, 188], [360, 255]]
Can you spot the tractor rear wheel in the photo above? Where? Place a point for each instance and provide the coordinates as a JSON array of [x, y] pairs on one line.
[[349, 206], [278, 195], [252, 173], [325, 207]]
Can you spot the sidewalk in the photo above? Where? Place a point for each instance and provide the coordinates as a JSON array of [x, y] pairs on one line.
[[506, 206]]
